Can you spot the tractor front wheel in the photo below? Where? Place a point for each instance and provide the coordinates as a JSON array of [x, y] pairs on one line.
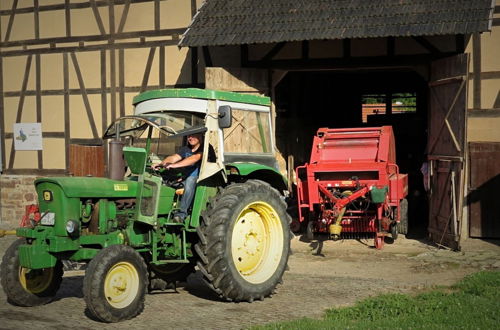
[[115, 284], [244, 241], [28, 287]]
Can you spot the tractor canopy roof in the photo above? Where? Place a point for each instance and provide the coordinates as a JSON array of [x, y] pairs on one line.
[[204, 94]]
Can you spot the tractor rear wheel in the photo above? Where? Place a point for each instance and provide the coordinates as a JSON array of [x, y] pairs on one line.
[[115, 284], [28, 287], [244, 241]]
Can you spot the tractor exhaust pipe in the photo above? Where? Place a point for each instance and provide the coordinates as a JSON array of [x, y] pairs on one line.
[[116, 162]]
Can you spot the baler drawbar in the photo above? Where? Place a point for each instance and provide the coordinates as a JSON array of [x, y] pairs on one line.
[[352, 185]]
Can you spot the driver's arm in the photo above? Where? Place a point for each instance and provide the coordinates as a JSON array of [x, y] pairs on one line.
[[168, 160], [188, 161]]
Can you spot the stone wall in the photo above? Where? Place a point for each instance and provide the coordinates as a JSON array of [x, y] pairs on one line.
[[16, 191]]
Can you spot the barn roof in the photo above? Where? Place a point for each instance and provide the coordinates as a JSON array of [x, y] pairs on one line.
[[236, 22]]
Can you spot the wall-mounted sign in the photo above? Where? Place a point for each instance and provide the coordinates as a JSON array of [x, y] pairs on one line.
[[28, 136]]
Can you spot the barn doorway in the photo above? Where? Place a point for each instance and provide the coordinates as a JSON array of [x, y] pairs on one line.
[[308, 100]]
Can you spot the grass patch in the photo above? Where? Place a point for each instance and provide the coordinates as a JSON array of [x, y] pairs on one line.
[[473, 303]]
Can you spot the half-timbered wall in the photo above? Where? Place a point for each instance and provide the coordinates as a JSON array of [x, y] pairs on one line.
[[74, 66]]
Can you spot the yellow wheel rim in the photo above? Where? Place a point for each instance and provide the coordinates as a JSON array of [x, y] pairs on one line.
[[35, 280], [257, 242], [121, 285]]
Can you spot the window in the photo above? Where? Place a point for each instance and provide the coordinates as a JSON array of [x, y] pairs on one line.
[[250, 133], [377, 104]]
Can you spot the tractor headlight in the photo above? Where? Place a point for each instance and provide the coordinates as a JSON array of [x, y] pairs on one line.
[[72, 227]]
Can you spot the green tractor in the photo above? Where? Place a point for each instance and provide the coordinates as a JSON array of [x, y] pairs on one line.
[[237, 231]]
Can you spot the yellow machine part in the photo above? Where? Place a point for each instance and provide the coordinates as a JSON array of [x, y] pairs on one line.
[[6, 232]]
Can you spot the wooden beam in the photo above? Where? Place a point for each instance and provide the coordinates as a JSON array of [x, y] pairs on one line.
[[121, 82], [76, 5], [52, 135], [305, 49], [67, 117], [427, 45], [123, 19], [104, 37], [20, 106], [273, 52], [97, 17], [2, 114], [476, 67], [161, 78], [104, 97], [194, 65], [460, 43], [11, 21], [244, 56], [37, 19], [67, 17], [86, 102], [206, 57], [147, 70], [37, 172], [157, 14], [38, 101], [346, 48], [391, 46]]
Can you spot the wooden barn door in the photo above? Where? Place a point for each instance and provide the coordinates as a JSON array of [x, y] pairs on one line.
[[446, 148]]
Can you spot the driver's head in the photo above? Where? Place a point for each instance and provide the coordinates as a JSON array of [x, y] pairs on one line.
[[194, 139]]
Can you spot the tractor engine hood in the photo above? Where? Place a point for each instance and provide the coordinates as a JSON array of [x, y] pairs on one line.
[[93, 187]]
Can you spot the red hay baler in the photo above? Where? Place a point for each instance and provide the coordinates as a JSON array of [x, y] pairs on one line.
[[352, 186]]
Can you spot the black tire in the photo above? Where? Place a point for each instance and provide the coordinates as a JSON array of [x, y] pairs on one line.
[[105, 273], [40, 285], [222, 263], [394, 231], [403, 220]]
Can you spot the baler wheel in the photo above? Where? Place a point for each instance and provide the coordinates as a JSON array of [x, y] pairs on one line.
[[115, 284], [28, 287], [244, 241], [379, 241]]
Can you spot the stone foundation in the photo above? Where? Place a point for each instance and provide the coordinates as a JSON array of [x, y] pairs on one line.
[[16, 191]]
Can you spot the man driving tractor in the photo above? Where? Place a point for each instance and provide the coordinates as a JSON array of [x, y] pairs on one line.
[[188, 160]]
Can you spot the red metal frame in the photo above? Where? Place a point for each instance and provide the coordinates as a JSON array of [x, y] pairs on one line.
[[345, 165]]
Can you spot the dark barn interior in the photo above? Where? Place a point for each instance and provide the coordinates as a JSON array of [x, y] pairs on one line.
[[308, 100]]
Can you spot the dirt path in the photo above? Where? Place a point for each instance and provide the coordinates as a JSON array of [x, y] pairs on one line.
[[340, 274]]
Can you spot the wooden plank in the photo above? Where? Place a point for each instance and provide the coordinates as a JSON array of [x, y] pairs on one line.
[[112, 78], [194, 64], [44, 134], [237, 79], [484, 209], [84, 95], [426, 44], [111, 18], [273, 52], [86, 160], [206, 57], [147, 70], [20, 105]]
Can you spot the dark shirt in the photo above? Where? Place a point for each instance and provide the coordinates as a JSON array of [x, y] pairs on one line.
[[194, 170]]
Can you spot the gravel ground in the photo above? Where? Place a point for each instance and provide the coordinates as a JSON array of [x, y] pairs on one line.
[[323, 274]]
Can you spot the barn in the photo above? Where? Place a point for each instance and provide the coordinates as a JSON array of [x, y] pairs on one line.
[[428, 68]]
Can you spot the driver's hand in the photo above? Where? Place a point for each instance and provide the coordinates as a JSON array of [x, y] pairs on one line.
[[157, 166]]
